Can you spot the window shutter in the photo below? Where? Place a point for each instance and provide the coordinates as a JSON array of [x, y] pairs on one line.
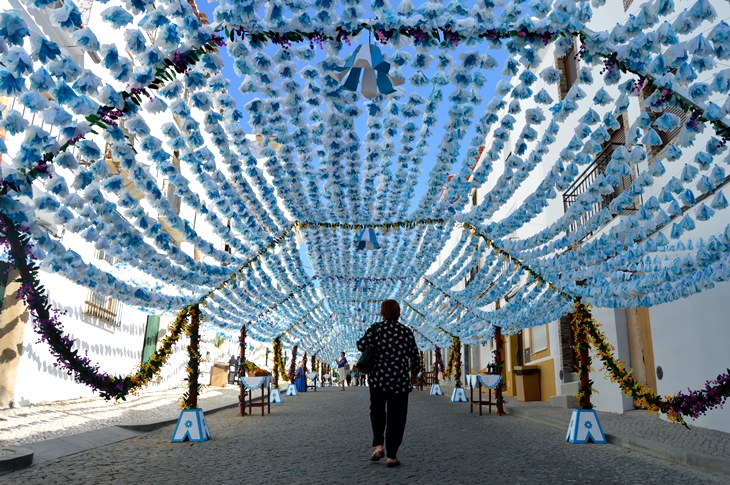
[[150, 337]]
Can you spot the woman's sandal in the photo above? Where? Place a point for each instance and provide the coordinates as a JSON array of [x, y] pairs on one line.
[[393, 464], [377, 456]]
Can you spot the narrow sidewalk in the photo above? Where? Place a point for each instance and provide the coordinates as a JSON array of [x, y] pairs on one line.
[[58, 419], [638, 430]]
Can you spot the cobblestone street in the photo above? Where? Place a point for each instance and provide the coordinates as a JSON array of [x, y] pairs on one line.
[[324, 437]]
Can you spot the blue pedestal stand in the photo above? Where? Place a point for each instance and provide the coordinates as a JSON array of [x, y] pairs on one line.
[[584, 425], [276, 396], [191, 425], [459, 395], [292, 390], [436, 390]]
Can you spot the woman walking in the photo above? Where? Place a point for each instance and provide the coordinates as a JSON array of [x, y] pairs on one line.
[[389, 380], [342, 369]]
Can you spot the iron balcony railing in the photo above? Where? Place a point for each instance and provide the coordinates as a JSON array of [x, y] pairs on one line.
[[586, 179]]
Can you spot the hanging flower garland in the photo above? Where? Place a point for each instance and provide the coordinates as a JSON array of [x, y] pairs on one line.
[[190, 397], [48, 325], [690, 403], [108, 115]]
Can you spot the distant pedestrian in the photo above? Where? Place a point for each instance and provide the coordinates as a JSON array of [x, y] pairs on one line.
[[389, 381], [355, 375], [342, 369]]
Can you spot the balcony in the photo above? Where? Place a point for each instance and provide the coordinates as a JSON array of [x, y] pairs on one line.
[[586, 179]]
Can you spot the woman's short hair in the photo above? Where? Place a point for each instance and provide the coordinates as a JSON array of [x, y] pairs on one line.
[[390, 310]]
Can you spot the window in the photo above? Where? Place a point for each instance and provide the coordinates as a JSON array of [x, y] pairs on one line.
[[568, 66], [99, 305], [568, 355], [539, 338]]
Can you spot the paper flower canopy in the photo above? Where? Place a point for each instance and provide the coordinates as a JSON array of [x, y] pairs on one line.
[[366, 240], [369, 64]]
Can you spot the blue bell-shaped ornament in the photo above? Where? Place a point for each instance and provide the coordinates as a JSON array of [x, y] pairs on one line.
[[367, 63]]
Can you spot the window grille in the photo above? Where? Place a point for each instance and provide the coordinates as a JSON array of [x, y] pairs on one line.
[[99, 305]]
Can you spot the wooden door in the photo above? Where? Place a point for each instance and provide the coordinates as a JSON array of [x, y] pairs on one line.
[[641, 349]]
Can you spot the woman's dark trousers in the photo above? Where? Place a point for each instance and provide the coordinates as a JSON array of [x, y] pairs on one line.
[[393, 423]]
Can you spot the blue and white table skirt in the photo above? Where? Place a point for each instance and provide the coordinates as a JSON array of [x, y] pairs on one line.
[[255, 383]]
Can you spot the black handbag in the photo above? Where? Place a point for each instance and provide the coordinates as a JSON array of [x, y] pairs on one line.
[[366, 362]]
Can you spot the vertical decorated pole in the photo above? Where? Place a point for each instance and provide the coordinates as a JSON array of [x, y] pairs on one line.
[[190, 400], [459, 394], [241, 366], [580, 315], [438, 363], [191, 424], [277, 359], [499, 368], [293, 363], [584, 423], [455, 364]]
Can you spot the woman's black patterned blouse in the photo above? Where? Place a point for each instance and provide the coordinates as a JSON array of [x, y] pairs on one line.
[[395, 346]]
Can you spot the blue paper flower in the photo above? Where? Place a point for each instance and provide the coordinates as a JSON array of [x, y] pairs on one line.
[[67, 17], [86, 39], [11, 84], [118, 17], [13, 28], [14, 123]]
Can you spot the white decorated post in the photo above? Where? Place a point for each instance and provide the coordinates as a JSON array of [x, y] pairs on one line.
[[191, 426], [276, 396], [291, 390], [584, 426], [436, 390], [459, 395]]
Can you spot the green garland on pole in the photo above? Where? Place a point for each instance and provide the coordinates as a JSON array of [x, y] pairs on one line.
[[190, 398]]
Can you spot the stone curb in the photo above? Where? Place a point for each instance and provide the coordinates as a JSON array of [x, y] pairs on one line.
[[145, 428], [708, 463], [21, 458]]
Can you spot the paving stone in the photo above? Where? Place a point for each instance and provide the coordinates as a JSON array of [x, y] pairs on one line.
[[324, 437]]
